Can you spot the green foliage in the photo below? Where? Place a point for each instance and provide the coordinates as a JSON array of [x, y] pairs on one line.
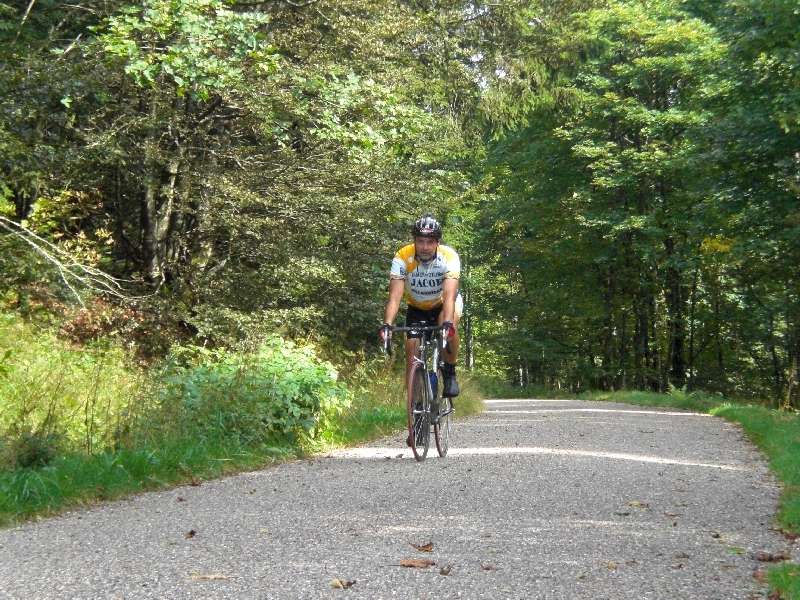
[[56, 399], [201, 47], [78, 424], [637, 217], [279, 390]]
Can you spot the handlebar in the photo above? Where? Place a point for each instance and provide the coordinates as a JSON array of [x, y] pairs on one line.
[[424, 328], [387, 343]]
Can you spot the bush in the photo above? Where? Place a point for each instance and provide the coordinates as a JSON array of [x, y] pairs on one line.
[[280, 390]]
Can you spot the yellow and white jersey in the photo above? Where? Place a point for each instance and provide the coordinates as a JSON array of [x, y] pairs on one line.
[[424, 282]]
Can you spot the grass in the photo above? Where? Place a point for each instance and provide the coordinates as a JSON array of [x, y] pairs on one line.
[[79, 479], [57, 399], [785, 580], [378, 407], [82, 425]]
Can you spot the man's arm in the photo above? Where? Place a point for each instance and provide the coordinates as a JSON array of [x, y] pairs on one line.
[[449, 293], [396, 289]]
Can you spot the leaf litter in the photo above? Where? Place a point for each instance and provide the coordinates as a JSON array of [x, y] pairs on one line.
[[426, 547], [417, 563]]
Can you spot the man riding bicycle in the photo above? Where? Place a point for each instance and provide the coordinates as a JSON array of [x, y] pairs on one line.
[[426, 272]]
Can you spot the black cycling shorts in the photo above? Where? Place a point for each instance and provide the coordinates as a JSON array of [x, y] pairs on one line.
[[416, 317]]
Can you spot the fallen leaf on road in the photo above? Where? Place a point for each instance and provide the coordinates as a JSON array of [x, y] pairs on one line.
[[446, 570], [716, 535], [180, 499], [210, 577], [611, 565], [399, 456], [195, 482], [672, 515], [488, 567], [681, 555], [622, 513], [341, 584], [678, 566], [427, 547], [190, 534], [638, 504], [760, 575], [417, 563], [771, 557]]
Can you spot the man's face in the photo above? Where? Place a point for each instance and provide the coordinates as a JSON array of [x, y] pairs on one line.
[[425, 248]]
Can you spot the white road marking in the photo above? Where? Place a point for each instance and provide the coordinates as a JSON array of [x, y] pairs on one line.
[[384, 452], [594, 410]]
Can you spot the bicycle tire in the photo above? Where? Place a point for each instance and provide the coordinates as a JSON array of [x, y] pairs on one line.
[[419, 417], [441, 429]]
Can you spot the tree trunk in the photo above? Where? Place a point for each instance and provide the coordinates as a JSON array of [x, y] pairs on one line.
[[641, 341], [793, 374], [606, 381], [692, 305], [676, 320]]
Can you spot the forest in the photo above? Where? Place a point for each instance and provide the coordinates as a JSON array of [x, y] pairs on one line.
[[620, 177]]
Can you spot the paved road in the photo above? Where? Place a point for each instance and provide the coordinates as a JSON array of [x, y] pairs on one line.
[[538, 499]]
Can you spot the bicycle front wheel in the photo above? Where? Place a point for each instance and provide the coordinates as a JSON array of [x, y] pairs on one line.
[[419, 421], [441, 428]]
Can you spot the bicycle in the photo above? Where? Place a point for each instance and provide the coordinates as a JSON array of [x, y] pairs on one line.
[[424, 403]]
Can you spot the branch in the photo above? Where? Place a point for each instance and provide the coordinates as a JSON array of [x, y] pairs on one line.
[[71, 271], [24, 18]]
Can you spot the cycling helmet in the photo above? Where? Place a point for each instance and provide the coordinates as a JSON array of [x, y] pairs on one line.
[[427, 226]]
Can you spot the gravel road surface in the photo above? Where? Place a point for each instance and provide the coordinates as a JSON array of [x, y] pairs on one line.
[[546, 499]]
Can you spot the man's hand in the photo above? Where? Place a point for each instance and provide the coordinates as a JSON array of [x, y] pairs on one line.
[[449, 329], [385, 332]]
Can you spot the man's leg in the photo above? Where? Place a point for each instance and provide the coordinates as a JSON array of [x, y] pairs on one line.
[[450, 355]]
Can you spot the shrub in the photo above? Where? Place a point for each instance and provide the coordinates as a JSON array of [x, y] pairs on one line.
[[279, 390]]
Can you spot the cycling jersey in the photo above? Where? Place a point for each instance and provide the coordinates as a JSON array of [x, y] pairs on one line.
[[424, 281]]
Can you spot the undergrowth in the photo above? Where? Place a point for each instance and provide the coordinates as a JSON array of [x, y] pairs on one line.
[[85, 424]]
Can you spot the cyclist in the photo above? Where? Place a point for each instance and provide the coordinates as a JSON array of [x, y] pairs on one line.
[[426, 272]]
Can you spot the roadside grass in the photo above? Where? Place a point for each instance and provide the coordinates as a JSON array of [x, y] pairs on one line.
[[785, 580], [84, 425], [775, 432], [378, 407], [75, 480], [80, 425]]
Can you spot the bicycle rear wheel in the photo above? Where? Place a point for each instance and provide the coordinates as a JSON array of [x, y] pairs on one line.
[[441, 428], [419, 423]]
